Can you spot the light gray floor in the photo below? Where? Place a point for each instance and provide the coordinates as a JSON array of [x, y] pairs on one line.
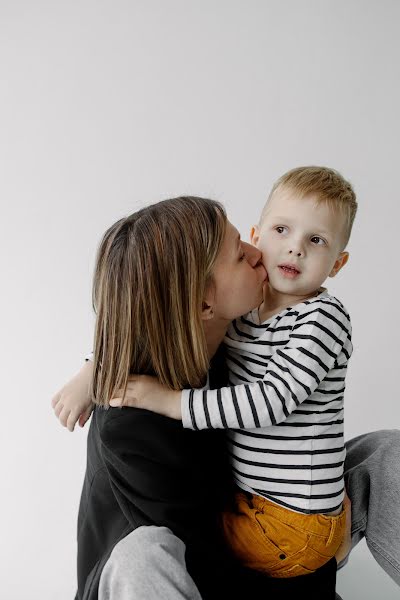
[[363, 578]]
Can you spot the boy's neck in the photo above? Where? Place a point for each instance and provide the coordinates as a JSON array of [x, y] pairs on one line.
[[274, 302]]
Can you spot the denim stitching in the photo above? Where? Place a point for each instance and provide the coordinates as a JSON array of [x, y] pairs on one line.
[[358, 525], [385, 555]]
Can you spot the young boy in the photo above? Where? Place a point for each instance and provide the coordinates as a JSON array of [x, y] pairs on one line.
[[287, 364]]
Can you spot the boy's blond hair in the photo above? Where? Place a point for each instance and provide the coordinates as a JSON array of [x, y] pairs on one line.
[[327, 185]]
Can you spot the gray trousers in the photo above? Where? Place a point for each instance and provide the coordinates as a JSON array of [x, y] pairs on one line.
[[150, 562]]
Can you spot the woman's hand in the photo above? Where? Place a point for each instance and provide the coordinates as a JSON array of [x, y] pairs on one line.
[[147, 392], [345, 546], [72, 403]]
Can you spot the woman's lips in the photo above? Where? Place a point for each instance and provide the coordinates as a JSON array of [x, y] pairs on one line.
[[289, 271]]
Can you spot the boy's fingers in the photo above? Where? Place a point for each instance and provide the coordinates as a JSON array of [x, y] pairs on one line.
[[63, 416], [54, 400], [82, 420], [119, 395], [58, 409], [85, 416], [71, 421], [129, 401], [130, 386], [116, 402]]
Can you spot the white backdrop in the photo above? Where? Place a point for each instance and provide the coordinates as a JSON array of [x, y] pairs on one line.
[[110, 104]]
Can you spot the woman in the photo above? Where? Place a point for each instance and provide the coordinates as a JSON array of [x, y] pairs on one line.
[[168, 281]]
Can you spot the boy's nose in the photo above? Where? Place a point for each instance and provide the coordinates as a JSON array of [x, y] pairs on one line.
[[296, 247]]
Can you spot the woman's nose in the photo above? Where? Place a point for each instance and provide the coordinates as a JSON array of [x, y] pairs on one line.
[[253, 254], [296, 253]]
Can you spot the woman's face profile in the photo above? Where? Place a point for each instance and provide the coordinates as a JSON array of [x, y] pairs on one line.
[[239, 276]]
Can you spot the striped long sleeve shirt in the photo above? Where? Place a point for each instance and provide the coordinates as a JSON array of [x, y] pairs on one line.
[[284, 407]]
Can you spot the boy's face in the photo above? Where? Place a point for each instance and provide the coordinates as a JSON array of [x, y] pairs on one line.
[[300, 242]]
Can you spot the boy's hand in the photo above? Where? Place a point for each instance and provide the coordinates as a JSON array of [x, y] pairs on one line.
[[147, 392], [71, 403]]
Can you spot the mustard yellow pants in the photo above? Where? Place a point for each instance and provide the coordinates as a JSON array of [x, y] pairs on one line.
[[282, 543]]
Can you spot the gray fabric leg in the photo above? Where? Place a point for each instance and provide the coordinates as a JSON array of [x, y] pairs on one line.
[[372, 476], [148, 564]]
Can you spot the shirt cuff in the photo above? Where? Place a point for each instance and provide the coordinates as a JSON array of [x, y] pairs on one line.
[[186, 420]]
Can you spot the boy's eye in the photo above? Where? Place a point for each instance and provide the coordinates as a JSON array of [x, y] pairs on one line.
[[318, 240], [280, 229]]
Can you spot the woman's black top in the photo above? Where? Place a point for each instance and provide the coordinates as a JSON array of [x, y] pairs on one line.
[[145, 469]]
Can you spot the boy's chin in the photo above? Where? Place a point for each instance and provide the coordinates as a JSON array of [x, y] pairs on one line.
[[287, 289]]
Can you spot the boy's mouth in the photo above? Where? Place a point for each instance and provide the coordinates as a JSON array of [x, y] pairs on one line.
[[289, 270]]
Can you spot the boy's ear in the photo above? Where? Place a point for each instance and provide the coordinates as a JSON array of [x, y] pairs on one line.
[[339, 263], [254, 235]]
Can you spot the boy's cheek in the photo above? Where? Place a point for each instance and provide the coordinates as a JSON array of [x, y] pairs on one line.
[[264, 259], [265, 255], [262, 243]]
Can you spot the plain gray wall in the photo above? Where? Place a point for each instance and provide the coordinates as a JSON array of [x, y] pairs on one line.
[[108, 105]]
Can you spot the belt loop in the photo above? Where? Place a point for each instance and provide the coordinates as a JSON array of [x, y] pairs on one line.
[[332, 532]]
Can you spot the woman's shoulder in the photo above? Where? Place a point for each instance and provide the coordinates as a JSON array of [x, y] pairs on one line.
[[134, 430], [134, 423], [138, 443]]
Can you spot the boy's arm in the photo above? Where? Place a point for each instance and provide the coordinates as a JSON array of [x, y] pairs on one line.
[[72, 402], [294, 373]]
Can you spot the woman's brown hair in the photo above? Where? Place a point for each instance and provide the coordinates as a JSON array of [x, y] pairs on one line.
[[152, 271]]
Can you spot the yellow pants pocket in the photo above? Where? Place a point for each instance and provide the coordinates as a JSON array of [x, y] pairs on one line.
[[279, 542]]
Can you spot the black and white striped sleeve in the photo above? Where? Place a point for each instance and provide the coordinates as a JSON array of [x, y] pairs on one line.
[[320, 334]]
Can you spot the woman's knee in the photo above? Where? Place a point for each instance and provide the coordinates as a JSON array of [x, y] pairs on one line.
[[147, 545], [148, 563], [385, 448], [381, 447]]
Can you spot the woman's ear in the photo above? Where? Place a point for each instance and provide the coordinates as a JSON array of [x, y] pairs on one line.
[[207, 311], [254, 235], [207, 306], [339, 263]]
